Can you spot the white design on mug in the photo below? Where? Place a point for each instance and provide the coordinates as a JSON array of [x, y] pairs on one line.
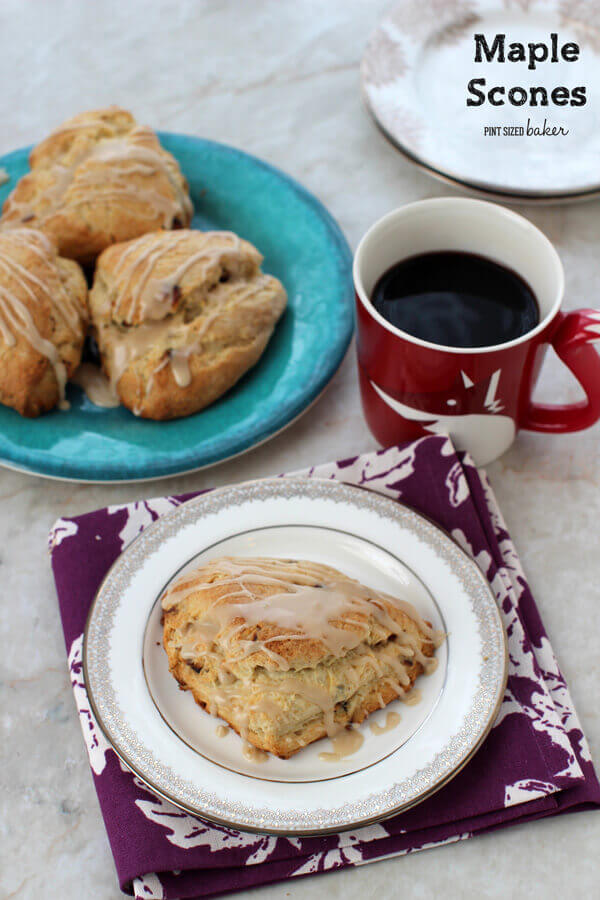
[[593, 328], [485, 434]]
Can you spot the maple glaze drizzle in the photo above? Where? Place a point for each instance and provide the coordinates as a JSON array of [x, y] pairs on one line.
[[96, 386], [345, 743], [253, 754], [140, 296], [69, 127], [15, 317], [126, 158], [392, 719], [151, 298], [413, 697], [309, 602]]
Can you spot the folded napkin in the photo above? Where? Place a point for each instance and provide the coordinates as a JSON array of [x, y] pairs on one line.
[[535, 761]]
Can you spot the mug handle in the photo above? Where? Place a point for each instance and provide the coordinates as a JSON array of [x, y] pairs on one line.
[[573, 342]]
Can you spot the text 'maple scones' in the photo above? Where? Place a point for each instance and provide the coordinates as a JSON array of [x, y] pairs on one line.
[[180, 316], [99, 179], [43, 318], [290, 651]]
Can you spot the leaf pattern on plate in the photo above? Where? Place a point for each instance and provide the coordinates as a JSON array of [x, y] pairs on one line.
[[452, 17], [523, 5], [384, 60], [397, 120], [584, 18], [456, 30]]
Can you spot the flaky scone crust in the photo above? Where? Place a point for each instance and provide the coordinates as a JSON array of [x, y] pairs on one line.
[[226, 310], [76, 193], [361, 679], [374, 696], [27, 379]]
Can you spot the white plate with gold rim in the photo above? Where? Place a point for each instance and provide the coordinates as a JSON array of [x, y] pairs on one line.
[[176, 748], [422, 66]]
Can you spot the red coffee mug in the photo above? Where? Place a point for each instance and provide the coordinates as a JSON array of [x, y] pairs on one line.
[[479, 396]]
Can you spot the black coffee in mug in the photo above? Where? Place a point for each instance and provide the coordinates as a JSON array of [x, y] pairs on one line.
[[456, 299]]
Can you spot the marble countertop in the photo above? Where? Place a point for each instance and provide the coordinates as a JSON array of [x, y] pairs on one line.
[[278, 78]]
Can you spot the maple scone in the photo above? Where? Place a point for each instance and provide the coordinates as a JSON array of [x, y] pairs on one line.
[[98, 179], [43, 318], [180, 316], [289, 651]]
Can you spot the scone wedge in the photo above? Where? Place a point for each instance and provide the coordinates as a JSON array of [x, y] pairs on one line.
[[289, 651], [180, 316], [43, 319], [98, 179]]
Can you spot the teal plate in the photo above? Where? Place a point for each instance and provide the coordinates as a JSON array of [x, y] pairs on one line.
[[303, 246]]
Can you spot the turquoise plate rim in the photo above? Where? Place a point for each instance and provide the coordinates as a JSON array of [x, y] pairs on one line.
[[229, 445]]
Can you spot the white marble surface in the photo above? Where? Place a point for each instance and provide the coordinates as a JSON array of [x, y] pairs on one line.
[[279, 79]]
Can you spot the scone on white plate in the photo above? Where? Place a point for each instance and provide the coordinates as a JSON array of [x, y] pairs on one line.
[[289, 651]]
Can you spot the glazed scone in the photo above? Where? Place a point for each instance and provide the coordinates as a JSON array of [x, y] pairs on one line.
[[43, 318], [180, 316], [289, 651], [99, 179]]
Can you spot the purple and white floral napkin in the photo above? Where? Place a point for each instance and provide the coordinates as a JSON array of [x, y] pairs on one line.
[[534, 763]]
